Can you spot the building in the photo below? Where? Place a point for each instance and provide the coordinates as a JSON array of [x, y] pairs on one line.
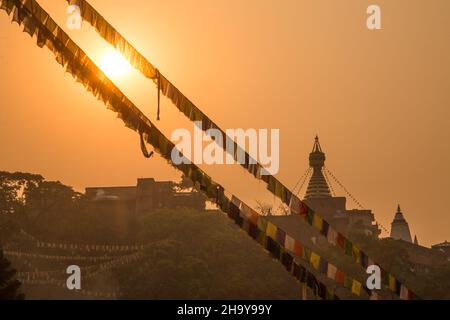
[[148, 195], [400, 228], [319, 198], [443, 247], [119, 208]]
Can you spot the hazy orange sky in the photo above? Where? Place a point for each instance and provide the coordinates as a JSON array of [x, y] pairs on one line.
[[378, 99]]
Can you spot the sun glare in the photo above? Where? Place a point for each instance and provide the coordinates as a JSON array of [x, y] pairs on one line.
[[114, 65]]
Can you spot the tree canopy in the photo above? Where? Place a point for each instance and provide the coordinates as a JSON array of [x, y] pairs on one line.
[[198, 255]]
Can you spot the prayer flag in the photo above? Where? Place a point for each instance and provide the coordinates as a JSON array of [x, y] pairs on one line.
[[271, 230], [356, 287], [314, 260]]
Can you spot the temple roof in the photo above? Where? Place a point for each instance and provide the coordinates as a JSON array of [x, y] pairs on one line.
[[399, 218]]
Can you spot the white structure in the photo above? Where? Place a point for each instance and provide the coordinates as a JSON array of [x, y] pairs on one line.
[[400, 228]]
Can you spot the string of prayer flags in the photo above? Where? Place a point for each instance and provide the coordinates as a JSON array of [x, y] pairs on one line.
[[91, 271], [55, 257], [284, 247], [62, 284], [90, 247], [317, 262], [277, 242], [338, 240]]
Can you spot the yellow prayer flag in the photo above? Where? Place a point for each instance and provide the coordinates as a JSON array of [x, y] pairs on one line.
[[315, 260], [356, 287], [318, 222], [262, 224], [356, 254], [391, 282], [271, 230], [278, 189]]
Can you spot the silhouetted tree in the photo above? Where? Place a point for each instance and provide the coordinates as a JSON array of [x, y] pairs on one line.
[[185, 183], [9, 287], [12, 190], [49, 199]]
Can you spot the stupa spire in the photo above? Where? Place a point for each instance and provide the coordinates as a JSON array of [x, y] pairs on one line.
[[318, 186]]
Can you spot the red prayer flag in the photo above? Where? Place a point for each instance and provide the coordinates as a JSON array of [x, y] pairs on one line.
[[340, 276], [298, 248], [340, 240]]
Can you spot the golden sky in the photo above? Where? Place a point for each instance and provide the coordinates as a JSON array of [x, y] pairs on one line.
[[379, 100]]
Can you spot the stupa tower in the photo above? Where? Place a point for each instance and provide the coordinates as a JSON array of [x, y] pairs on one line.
[[317, 187]]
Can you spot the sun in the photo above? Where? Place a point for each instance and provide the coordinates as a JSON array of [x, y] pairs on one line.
[[114, 65]]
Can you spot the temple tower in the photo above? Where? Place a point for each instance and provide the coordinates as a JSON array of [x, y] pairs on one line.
[[400, 228]]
